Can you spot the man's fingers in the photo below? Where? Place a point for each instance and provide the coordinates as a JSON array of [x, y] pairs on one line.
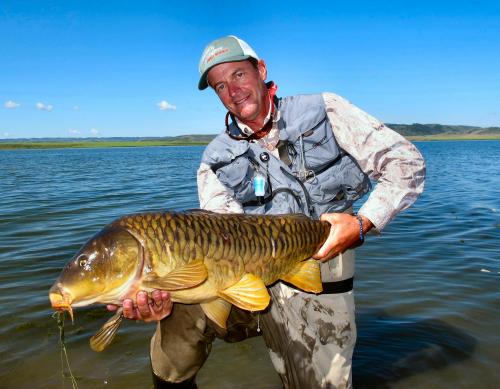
[[329, 248], [322, 253], [344, 234], [157, 298], [128, 309], [157, 303], [147, 309], [165, 296], [331, 218], [143, 305], [167, 303], [326, 254]]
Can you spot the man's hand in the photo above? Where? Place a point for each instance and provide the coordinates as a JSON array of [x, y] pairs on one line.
[[344, 234], [147, 309]]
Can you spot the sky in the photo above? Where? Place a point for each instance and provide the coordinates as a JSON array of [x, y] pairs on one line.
[[130, 68]]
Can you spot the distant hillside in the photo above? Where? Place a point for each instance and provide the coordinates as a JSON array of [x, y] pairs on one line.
[[414, 131], [417, 129], [171, 139]]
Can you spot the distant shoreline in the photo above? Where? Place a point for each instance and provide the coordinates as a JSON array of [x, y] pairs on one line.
[[454, 137], [6, 145], [91, 144]]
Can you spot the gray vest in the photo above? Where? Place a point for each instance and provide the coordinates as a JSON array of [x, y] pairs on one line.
[[312, 176]]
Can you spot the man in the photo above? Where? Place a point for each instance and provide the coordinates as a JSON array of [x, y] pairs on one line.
[[311, 154]]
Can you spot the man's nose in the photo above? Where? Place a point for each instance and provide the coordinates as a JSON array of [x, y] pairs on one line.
[[233, 88]]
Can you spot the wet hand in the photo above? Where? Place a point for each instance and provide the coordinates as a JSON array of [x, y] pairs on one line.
[[344, 234], [147, 309]]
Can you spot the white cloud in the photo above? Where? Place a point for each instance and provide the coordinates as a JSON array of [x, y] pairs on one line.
[[44, 107], [93, 131], [164, 106], [6, 134], [72, 131], [11, 105], [76, 107]]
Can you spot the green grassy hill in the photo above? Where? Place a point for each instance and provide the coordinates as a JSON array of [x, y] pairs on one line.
[[418, 129], [414, 131]]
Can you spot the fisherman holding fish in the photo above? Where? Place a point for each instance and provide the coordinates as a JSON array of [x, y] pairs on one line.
[[309, 154]]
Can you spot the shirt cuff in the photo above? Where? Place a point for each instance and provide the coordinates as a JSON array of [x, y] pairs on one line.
[[379, 212]]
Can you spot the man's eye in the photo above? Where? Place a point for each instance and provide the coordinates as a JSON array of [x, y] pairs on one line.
[[219, 88], [239, 75]]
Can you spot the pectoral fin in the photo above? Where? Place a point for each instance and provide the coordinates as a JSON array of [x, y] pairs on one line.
[[217, 311], [184, 277], [107, 333], [249, 293], [306, 275]]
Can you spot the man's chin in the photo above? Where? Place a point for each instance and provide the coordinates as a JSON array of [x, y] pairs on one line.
[[247, 114]]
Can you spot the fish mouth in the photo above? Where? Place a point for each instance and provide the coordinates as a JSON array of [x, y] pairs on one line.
[[61, 301]]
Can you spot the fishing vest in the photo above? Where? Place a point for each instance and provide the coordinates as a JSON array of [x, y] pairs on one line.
[[312, 175]]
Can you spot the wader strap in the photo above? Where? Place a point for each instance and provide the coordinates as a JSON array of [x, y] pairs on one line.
[[338, 286]]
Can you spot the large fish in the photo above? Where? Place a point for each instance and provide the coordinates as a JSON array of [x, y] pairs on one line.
[[198, 256]]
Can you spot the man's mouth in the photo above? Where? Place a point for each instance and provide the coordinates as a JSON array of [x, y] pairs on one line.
[[241, 101]]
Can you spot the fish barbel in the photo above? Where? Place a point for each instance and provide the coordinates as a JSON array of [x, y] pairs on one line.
[[200, 257]]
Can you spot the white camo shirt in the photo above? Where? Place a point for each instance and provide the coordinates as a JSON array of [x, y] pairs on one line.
[[384, 155]]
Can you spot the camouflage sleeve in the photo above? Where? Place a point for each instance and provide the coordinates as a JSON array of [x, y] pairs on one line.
[[213, 195], [383, 154]]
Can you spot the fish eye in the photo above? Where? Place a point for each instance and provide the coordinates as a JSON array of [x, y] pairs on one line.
[[82, 261]]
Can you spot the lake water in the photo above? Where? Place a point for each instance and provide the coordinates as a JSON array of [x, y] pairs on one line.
[[427, 289]]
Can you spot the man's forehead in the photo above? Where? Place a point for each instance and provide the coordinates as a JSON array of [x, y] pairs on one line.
[[227, 68]]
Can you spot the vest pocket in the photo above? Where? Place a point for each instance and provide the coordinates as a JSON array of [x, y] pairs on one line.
[[318, 146], [238, 178]]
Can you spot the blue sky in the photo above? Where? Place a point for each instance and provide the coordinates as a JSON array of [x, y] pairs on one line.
[[103, 68]]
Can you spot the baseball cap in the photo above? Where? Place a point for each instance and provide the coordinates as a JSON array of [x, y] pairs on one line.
[[227, 49]]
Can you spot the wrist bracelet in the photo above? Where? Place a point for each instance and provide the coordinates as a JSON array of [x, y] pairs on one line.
[[361, 236]]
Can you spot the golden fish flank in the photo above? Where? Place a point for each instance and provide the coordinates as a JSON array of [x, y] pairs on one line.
[[200, 257]]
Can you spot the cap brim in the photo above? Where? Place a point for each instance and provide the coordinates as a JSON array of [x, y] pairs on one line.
[[203, 84]]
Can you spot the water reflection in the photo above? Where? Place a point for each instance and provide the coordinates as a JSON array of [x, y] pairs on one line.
[[390, 348]]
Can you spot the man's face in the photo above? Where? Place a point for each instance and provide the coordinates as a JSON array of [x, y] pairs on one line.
[[241, 88]]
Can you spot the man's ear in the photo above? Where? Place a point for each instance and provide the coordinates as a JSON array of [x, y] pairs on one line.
[[261, 66]]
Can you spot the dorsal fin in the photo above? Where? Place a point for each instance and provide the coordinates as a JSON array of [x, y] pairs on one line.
[[199, 211]]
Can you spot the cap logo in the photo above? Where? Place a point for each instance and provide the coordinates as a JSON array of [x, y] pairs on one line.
[[214, 52]]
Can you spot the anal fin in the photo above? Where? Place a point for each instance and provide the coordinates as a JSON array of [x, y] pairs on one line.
[[306, 275], [249, 293], [217, 311]]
